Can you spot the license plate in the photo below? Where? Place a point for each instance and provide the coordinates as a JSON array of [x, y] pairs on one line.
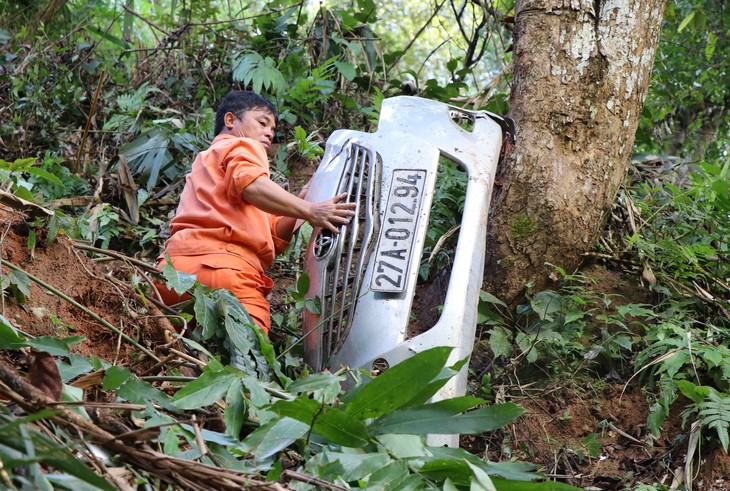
[[398, 230]]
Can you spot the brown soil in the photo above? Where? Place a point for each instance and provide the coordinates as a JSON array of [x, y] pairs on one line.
[[555, 431], [64, 268], [559, 425]]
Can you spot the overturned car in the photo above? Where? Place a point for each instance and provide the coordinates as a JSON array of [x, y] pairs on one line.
[[365, 276]]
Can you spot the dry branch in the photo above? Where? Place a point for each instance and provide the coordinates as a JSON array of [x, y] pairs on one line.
[[186, 474]]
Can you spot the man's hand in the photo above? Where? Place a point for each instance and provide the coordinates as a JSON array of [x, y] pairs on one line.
[[332, 213], [270, 197]]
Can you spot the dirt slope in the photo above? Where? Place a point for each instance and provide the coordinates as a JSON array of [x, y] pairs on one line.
[[555, 432]]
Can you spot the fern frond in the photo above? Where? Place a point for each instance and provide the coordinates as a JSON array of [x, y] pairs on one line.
[[715, 413]]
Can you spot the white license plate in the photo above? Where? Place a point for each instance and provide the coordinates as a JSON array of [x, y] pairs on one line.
[[397, 232]]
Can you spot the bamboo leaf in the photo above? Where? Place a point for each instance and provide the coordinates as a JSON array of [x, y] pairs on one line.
[[333, 424], [686, 21], [206, 389], [398, 385], [444, 418], [273, 437]]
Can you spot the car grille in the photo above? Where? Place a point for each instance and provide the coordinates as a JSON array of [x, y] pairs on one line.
[[353, 246]]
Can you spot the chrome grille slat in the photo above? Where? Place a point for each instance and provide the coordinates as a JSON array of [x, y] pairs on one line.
[[372, 196], [360, 180]]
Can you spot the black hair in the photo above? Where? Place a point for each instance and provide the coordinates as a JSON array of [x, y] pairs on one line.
[[239, 102]]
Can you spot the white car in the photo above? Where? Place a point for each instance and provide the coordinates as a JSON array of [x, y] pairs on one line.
[[365, 276]]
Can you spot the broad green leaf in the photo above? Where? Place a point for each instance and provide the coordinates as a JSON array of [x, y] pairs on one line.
[[235, 411], [442, 419], [273, 437], [351, 466], [499, 343], [394, 475], [206, 389], [115, 376], [696, 393], [55, 346], [480, 481], [489, 298], [504, 485], [710, 46], [9, 336], [212, 436], [177, 280], [398, 385], [130, 388], [77, 365], [313, 382], [44, 174], [333, 424], [403, 446], [546, 303], [411, 417], [20, 280], [686, 21], [206, 312], [303, 283], [439, 381], [346, 69]]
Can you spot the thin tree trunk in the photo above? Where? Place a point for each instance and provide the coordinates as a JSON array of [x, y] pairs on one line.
[[581, 71]]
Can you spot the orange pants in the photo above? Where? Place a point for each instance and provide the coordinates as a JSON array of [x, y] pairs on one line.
[[229, 272]]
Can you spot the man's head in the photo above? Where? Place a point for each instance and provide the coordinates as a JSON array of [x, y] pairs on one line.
[[245, 113]]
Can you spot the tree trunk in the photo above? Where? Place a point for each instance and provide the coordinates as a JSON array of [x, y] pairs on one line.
[[580, 74]]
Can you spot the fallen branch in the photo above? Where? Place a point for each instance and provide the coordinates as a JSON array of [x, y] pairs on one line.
[[187, 474]]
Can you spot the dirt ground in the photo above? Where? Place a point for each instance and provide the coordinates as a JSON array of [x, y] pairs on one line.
[[557, 431]]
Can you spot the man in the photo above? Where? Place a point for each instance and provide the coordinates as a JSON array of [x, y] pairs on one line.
[[232, 219]]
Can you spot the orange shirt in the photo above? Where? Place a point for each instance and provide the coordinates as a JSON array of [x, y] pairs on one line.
[[212, 217]]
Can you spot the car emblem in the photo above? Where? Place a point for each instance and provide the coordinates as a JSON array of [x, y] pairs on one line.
[[323, 243]]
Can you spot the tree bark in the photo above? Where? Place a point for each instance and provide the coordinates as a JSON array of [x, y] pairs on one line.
[[580, 73]]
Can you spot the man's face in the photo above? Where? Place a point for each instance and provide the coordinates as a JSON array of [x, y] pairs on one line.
[[258, 124]]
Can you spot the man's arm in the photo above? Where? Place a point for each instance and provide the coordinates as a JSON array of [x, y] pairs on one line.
[[268, 196]]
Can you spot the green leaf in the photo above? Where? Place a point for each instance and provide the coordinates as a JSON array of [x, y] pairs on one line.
[[235, 412], [715, 413], [504, 485], [313, 382], [34, 446], [346, 69], [710, 46], [333, 424], [546, 303], [398, 385], [499, 342], [443, 418], [481, 481], [20, 280], [10, 338], [206, 389], [686, 21], [303, 284], [206, 312], [130, 388], [176, 280], [489, 298], [273, 437], [55, 346], [44, 174]]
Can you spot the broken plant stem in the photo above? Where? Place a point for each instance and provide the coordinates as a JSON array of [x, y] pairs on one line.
[[116, 255], [78, 305]]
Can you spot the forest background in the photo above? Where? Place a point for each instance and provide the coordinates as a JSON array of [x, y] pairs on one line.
[[102, 109]]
